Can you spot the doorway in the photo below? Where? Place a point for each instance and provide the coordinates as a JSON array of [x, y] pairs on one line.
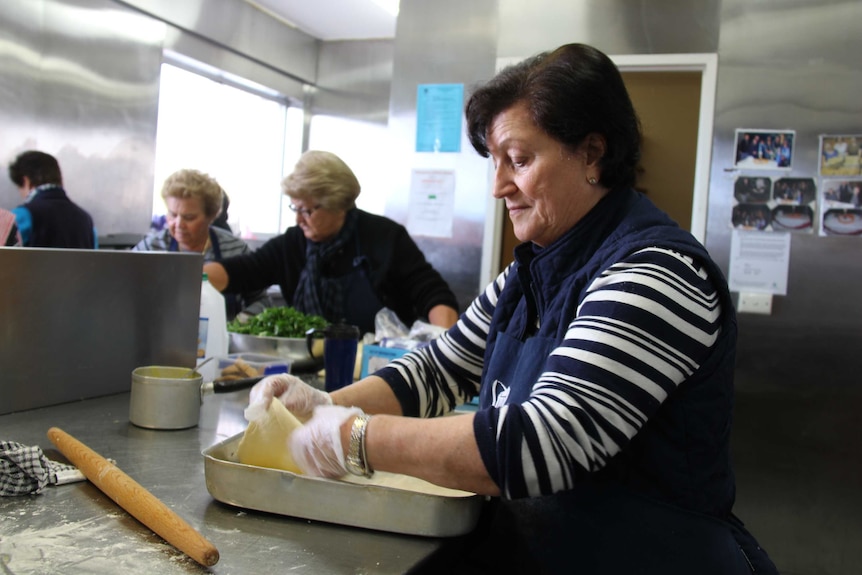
[[674, 96]]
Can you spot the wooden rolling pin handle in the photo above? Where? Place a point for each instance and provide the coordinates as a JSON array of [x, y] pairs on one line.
[[137, 501]]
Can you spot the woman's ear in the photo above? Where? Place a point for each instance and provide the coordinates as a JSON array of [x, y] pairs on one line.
[[594, 148]]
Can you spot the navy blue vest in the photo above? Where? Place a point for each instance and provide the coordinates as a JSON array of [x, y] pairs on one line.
[[672, 487], [58, 222]]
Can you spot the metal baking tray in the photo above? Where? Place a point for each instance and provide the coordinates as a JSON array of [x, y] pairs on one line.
[[358, 502]]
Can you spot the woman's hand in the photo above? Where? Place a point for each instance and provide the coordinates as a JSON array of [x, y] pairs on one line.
[[443, 316], [296, 395], [317, 447], [216, 275]]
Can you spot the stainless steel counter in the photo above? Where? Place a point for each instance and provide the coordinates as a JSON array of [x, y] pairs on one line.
[[75, 528]]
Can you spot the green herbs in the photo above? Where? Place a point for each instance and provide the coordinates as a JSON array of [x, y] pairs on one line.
[[278, 322]]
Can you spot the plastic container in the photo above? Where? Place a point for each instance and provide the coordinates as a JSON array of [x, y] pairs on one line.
[[375, 357], [238, 365], [212, 329]]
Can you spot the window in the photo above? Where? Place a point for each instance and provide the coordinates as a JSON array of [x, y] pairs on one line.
[[244, 140]]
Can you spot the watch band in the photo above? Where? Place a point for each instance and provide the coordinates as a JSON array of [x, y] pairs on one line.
[[357, 461]]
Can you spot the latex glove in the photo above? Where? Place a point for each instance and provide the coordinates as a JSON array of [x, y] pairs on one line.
[[316, 446], [296, 395]]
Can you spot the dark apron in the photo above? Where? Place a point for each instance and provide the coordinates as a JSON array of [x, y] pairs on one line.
[[361, 303], [596, 528]]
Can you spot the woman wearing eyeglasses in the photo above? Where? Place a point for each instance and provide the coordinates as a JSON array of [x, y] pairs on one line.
[[340, 262]]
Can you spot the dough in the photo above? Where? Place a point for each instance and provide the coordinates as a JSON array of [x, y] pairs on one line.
[[264, 442], [405, 483]]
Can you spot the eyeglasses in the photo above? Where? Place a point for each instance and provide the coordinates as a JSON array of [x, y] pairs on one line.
[[304, 211]]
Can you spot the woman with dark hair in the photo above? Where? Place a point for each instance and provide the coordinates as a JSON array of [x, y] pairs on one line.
[[221, 219], [48, 218], [603, 359]]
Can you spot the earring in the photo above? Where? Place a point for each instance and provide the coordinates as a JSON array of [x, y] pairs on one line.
[[592, 181]]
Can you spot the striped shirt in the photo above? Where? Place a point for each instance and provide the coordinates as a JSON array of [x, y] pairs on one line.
[[160, 241], [643, 327]]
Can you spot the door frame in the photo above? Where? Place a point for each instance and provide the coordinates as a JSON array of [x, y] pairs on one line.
[[707, 65]]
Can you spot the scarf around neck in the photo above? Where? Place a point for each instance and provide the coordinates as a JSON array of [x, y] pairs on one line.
[[318, 294]]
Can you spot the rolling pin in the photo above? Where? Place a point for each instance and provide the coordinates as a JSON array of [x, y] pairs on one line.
[[137, 501]]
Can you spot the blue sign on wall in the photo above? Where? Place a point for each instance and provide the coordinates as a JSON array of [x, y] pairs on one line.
[[439, 108]]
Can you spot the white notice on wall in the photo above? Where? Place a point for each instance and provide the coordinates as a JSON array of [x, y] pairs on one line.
[[759, 262], [432, 203]]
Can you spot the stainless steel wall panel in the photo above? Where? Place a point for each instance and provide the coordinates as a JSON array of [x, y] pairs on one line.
[[354, 80], [792, 66], [239, 27], [69, 90], [75, 323], [442, 42], [227, 61], [20, 54], [614, 26]]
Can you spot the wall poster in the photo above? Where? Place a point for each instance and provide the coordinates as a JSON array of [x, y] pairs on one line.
[[431, 207], [759, 262], [439, 108]]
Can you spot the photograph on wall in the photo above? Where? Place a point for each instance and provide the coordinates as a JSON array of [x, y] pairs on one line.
[[794, 202], [752, 189], [841, 208], [751, 210], [764, 149], [841, 155], [751, 217], [786, 205]]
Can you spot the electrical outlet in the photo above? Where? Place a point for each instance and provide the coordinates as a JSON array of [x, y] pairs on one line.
[[754, 302]]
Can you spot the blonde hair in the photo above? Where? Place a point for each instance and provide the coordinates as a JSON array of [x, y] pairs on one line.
[[323, 178], [184, 184]]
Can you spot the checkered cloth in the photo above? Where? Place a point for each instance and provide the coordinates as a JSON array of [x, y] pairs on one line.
[[26, 470]]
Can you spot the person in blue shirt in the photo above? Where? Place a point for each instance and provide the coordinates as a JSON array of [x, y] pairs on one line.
[[48, 218]]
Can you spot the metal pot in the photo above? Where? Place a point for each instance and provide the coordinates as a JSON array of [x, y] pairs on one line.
[[171, 397]]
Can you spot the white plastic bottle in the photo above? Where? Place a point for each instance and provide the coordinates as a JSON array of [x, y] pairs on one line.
[[212, 329]]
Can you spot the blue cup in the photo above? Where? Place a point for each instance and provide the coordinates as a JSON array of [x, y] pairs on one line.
[[340, 343]]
